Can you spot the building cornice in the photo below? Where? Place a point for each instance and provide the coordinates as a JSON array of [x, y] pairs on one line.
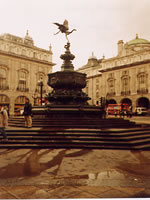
[[27, 46], [94, 76], [26, 58], [126, 66], [126, 56]]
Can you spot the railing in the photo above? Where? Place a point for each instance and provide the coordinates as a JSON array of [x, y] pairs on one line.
[[4, 87], [22, 89], [38, 90], [124, 93], [110, 94], [142, 91]]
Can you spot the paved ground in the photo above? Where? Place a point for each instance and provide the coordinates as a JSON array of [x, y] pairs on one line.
[[61, 173]]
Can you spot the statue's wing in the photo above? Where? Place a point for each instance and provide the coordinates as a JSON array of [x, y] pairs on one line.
[[66, 24], [57, 24]]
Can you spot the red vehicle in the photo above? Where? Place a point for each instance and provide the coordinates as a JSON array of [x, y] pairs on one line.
[[44, 101], [115, 109]]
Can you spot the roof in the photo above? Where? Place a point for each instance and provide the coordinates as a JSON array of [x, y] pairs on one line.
[[138, 40]]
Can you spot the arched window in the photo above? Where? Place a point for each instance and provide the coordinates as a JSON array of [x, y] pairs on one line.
[[125, 82], [4, 99], [20, 100], [142, 79]]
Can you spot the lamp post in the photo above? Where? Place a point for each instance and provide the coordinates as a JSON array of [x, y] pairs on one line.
[[40, 83]]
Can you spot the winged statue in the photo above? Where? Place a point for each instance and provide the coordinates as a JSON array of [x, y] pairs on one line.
[[64, 28]]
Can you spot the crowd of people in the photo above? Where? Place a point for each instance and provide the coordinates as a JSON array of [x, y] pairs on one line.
[[27, 113], [124, 113]]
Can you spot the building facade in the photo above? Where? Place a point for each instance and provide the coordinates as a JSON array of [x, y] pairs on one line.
[[124, 78], [23, 67]]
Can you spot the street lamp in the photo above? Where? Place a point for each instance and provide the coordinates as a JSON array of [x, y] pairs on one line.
[[40, 83]]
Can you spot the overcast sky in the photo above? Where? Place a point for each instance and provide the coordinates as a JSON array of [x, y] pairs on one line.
[[99, 23]]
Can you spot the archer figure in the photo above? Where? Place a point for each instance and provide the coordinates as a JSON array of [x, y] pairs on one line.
[[64, 28]]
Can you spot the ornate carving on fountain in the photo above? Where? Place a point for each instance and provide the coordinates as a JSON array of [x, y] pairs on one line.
[[67, 84], [67, 57]]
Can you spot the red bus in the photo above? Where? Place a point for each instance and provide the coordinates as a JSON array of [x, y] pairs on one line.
[[44, 101], [114, 109]]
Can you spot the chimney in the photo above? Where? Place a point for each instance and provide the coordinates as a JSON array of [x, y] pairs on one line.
[[120, 47]]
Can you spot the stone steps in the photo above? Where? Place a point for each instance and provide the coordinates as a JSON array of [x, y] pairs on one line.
[[74, 123], [132, 139]]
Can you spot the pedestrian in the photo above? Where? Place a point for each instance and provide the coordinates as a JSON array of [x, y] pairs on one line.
[[3, 122], [28, 113]]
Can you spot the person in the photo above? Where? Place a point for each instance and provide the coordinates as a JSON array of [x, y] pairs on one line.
[[3, 122], [28, 113]]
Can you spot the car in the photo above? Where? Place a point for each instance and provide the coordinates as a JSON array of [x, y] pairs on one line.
[[141, 111]]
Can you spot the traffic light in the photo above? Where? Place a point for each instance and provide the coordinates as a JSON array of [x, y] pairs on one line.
[[102, 101]]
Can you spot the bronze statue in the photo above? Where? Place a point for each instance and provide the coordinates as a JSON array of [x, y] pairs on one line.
[[64, 28]]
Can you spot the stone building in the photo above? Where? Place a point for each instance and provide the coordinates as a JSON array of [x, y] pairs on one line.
[[23, 66], [124, 78]]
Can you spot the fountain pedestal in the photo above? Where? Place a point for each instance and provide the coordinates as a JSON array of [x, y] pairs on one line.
[[67, 100], [67, 84]]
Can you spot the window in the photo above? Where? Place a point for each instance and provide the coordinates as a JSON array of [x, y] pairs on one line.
[[4, 98], [111, 83], [125, 82], [142, 83], [97, 87], [111, 86], [97, 95], [20, 100], [22, 82], [142, 79], [97, 80], [3, 78]]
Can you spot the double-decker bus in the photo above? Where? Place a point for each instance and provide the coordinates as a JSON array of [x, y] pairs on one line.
[[116, 109]]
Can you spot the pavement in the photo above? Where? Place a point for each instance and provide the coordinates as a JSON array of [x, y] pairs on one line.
[[138, 119], [73, 173]]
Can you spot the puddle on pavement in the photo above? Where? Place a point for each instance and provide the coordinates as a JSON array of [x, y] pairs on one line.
[[29, 164]]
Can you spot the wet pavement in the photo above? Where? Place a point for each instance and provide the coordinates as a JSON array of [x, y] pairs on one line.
[[73, 173]]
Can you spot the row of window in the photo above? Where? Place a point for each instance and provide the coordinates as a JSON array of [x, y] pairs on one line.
[[23, 77], [142, 79], [25, 52]]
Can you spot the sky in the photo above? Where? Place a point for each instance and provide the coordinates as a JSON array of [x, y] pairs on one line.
[[100, 25]]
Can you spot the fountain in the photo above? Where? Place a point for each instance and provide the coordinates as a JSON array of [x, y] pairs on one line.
[[67, 100]]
